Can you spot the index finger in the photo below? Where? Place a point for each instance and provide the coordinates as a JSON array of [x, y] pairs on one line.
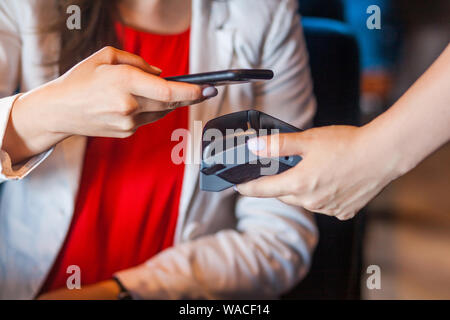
[[149, 86], [270, 186]]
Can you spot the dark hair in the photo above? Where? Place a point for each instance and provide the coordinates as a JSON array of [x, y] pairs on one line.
[[97, 30]]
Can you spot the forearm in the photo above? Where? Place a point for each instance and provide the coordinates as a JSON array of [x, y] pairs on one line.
[[344, 167], [29, 130], [109, 94], [419, 122], [268, 252]]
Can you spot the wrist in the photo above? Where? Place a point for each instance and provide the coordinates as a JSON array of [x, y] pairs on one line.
[[108, 290], [123, 293], [27, 132], [44, 107], [386, 149]]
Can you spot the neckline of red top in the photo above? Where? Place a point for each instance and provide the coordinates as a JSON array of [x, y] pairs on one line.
[[120, 26]]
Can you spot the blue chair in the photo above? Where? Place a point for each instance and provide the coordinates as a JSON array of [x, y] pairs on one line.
[[335, 68], [336, 268]]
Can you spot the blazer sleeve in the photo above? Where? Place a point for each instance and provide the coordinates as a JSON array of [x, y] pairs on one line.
[[266, 255], [270, 249], [10, 54]]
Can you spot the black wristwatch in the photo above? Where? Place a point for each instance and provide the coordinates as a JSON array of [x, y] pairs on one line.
[[124, 294]]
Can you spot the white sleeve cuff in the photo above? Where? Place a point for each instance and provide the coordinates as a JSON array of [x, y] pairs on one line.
[[7, 170]]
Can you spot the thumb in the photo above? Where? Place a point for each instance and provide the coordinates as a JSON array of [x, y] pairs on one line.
[[279, 145]]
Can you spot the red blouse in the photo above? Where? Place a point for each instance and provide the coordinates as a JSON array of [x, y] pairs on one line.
[[127, 204]]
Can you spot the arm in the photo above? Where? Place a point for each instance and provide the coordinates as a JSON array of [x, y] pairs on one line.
[[419, 122], [266, 255], [10, 49], [345, 167], [110, 94]]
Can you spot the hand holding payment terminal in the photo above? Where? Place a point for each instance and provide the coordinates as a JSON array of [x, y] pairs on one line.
[[226, 159]]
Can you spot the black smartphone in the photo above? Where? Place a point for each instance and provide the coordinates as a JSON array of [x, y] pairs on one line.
[[225, 77]]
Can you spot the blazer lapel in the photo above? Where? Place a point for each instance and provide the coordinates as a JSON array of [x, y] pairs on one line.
[[211, 50]]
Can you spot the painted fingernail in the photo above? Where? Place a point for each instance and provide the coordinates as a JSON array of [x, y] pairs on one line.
[[235, 188], [209, 92], [256, 144]]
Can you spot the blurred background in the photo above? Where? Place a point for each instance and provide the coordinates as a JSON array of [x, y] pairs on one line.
[[406, 229]]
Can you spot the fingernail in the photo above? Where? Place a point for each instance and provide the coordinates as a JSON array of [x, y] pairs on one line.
[[156, 69], [256, 144], [209, 92], [235, 188]]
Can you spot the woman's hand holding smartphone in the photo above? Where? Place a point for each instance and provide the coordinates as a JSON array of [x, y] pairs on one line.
[[109, 94]]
